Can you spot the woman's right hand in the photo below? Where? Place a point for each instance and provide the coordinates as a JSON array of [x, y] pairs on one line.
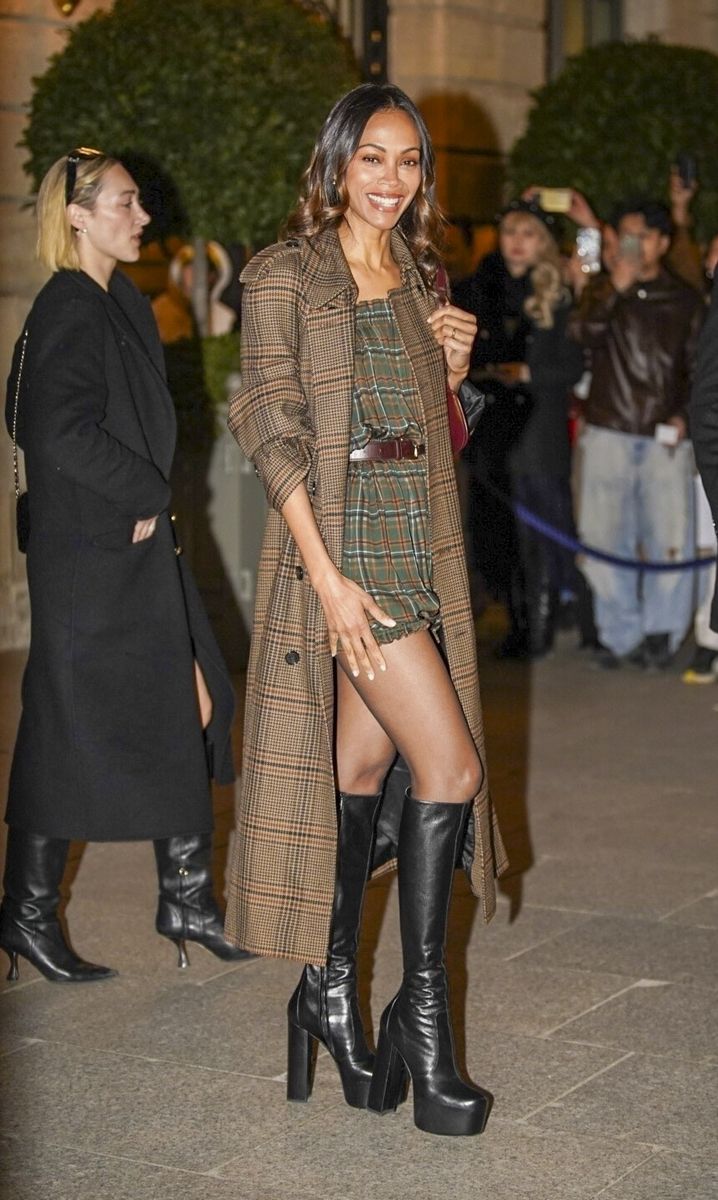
[[347, 609]]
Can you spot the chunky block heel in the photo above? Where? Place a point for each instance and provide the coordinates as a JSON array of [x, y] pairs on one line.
[[390, 1078], [324, 1008], [301, 1060], [415, 1035]]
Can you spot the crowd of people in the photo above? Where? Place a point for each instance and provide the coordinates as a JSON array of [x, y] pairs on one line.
[[611, 343], [363, 737]]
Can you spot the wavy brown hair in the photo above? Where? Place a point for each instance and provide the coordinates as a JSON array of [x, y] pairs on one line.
[[548, 290], [323, 199]]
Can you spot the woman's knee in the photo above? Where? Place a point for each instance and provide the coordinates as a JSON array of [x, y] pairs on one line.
[[363, 778], [454, 781]]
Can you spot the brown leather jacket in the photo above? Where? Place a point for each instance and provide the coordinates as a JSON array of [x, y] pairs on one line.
[[643, 344]]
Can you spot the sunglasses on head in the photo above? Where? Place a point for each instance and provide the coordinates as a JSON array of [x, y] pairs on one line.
[[74, 158]]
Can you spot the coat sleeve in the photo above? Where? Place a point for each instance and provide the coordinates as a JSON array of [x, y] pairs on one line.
[[269, 415], [556, 362], [703, 410], [703, 419], [64, 404], [590, 321]]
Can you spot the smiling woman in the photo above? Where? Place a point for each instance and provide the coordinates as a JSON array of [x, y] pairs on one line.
[[363, 644]]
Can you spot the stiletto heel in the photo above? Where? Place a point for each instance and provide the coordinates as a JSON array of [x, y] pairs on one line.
[[301, 1060], [187, 910], [390, 1078], [182, 956], [29, 927]]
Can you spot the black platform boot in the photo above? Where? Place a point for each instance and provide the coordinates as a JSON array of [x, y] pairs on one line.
[[415, 1036], [324, 1007], [187, 910], [28, 915]]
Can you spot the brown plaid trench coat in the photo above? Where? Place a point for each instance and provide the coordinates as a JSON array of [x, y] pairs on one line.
[[291, 417]]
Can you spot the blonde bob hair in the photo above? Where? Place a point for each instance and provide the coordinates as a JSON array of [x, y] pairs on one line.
[[56, 238], [548, 290]]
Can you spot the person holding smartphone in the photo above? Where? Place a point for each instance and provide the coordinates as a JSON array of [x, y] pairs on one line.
[[641, 325]]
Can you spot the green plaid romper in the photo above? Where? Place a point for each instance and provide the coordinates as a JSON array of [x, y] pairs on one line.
[[386, 539]]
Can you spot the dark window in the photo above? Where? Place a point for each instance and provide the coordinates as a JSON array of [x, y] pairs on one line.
[[576, 24]]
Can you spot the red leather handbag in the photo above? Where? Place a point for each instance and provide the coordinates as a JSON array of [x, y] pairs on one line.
[[463, 411]]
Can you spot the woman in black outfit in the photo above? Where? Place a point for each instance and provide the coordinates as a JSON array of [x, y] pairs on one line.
[[125, 697], [527, 365]]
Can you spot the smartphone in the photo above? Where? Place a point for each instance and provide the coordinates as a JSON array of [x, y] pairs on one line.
[[629, 245], [588, 248], [687, 168], [555, 200]]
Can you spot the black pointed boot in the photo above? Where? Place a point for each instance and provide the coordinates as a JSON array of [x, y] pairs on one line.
[[415, 1036], [324, 1008], [29, 926], [187, 910]]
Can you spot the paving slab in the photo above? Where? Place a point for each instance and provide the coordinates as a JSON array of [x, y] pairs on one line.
[[151, 1111], [670, 1103], [676, 1020], [641, 948], [35, 1169], [668, 1176], [505, 1163]]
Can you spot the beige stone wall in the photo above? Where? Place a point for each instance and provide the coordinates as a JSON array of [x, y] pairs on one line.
[[30, 31], [685, 22], [470, 64]]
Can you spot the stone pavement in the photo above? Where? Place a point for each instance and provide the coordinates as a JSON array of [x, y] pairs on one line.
[[588, 1007]]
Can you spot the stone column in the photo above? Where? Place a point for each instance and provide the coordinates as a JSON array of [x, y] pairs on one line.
[[470, 65], [30, 31]]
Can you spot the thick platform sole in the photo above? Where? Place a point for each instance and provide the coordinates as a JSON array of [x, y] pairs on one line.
[[302, 1050]]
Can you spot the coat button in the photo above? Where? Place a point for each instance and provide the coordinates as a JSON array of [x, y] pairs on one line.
[[292, 657], [299, 572]]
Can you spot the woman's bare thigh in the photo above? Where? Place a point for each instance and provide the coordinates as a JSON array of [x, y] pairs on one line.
[[412, 708]]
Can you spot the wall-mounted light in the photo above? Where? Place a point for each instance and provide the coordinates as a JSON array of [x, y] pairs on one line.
[[66, 7]]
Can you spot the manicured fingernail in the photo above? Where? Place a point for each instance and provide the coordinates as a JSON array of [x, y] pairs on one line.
[[382, 667], [370, 674], [355, 672]]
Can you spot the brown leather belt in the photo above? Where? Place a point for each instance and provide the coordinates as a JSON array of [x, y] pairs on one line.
[[391, 448]]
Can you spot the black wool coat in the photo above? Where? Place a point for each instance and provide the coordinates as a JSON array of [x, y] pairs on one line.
[[110, 744], [703, 419]]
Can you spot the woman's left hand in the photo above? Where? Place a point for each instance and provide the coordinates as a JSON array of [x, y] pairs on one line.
[[144, 529], [455, 331]]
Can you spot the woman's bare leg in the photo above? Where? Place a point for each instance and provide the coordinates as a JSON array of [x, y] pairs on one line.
[[412, 708]]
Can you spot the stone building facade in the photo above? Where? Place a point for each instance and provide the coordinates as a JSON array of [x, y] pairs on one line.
[[470, 63]]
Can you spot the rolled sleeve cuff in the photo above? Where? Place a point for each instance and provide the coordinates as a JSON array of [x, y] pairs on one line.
[[282, 466]]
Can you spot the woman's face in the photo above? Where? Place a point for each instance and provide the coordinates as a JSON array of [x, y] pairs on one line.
[[384, 174], [113, 228], [521, 242]]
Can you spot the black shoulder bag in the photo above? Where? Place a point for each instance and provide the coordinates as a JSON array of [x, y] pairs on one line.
[[22, 509]]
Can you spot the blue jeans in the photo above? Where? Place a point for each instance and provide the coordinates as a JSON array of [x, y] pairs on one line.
[[637, 501]]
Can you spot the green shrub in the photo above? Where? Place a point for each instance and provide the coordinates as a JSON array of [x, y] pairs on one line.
[[615, 119], [223, 97]]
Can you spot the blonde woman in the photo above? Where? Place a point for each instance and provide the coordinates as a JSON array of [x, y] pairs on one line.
[[525, 362], [126, 703]]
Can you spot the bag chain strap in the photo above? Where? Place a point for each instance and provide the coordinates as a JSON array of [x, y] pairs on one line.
[[16, 473]]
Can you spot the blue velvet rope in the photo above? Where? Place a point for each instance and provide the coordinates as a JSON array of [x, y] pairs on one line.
[[569, 543]]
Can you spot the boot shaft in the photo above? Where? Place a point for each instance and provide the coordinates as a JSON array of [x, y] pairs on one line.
[[429, 840]]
